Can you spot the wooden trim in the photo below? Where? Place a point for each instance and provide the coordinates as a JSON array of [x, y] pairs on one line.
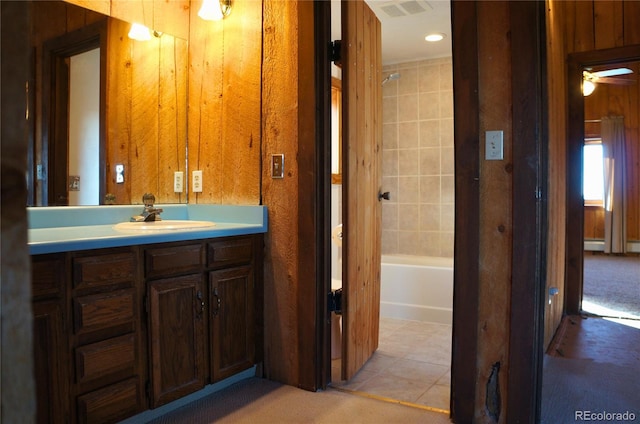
[[324, 82], [575, 140], [311, 207], [466, 272], [526, 330]]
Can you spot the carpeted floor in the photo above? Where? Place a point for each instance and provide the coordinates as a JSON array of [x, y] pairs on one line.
[[255, 400], [592, 365], [612, 285]]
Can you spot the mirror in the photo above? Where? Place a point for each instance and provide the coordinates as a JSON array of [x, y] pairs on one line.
[[139, 121]]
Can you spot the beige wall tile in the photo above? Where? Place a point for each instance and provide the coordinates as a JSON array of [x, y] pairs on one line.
[[429, 105], [418, 162], [408, 217], [430, 189], [430, 133], [409, 189], [407, 107], [430, 161], [429, 217], [389, 110], [408, 82], [390, 136], [389, 163], [408, 134], [447, 161], [409, 161]]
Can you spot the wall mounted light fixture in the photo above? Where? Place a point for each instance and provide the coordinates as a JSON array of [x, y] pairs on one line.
[[139, 32], [214, 10]]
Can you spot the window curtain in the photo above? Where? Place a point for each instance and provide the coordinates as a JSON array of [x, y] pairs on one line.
[[615, 204]]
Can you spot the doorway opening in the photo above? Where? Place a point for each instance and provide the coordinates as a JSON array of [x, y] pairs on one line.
[[413, 359], [73, 128]]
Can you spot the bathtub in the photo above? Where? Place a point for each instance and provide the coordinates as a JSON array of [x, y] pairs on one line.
[[418, 288]]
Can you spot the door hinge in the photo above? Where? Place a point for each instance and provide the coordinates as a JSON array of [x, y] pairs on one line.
[[336, 52], [334, 301]]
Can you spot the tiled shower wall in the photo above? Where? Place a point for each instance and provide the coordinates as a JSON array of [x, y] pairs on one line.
[[417, 159]]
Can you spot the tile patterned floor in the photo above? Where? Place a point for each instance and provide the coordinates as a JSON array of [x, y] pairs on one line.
[[412, 364]]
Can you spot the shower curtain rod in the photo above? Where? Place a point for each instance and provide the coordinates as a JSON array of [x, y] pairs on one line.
[[593, 120]]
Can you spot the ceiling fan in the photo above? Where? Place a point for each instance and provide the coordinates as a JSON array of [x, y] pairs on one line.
[[607, 76]]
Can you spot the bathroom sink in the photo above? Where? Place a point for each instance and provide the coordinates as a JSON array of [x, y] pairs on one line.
[[164, 225]]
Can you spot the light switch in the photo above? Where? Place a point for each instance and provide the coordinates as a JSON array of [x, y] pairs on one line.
[[277, 166], [494, 145]]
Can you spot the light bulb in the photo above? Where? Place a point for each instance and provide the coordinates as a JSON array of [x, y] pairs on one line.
[[587, 87], [210, 10], [139, 32]]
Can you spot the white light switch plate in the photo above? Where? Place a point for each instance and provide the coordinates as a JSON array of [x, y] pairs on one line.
[[494, 145]]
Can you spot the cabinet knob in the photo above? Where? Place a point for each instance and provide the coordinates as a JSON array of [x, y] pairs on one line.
[[200, 298], [218, 302]]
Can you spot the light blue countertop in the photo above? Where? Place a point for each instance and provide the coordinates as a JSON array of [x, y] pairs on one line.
[[69, 228]]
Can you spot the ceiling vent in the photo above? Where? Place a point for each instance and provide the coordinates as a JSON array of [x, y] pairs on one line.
[[398, 8]]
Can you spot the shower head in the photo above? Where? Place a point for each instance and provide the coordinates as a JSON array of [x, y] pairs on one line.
[[391, 77]]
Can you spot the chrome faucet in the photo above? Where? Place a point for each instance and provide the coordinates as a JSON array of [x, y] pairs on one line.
[[150, 213]]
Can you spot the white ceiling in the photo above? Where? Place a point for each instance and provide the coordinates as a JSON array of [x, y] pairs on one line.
[[403, 35]]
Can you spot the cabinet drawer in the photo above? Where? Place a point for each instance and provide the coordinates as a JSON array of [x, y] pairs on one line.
[[110, 404], [107, 314], [108, 361], [225, 253], [102, 270], [173, 260], [47, 276]]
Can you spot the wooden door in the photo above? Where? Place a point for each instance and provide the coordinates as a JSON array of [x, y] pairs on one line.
[[176, 331], [361, 153]]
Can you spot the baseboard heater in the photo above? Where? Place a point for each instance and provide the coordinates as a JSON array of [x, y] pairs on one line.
[[595, 245]]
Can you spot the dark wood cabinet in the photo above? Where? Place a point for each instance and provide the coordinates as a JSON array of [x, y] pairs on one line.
[[176, 337], [50, 351], [232, 321], [122, 330], [107, 339]]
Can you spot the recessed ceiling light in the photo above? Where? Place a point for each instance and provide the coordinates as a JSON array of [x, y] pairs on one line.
[[434, 37]]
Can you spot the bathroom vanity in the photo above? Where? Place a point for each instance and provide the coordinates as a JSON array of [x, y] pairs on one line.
[[124, 322]]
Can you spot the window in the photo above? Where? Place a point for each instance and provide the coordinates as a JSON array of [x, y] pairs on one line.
[[593, 173]]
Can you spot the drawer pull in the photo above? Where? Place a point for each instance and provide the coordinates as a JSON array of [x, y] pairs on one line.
[[218, 301], [199, 296]]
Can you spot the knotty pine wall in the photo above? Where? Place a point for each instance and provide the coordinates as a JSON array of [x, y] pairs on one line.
[[146, 100], [594, 25], [556, 183], [622, 100]]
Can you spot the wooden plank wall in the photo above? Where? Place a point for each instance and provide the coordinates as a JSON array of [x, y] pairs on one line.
[[496, 186], [557, 191], [146, 102], [224, 127], [591, 25], [279, 136], [146, 114], [623, 100]]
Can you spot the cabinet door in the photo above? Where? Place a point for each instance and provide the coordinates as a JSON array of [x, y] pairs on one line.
[[50, 363], [232, 322], [176, 331]]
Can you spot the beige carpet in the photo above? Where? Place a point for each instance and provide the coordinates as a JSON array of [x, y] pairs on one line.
[[612, 285], [255, 400]]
